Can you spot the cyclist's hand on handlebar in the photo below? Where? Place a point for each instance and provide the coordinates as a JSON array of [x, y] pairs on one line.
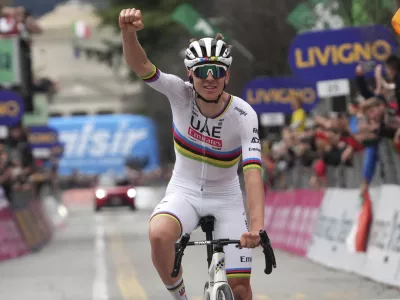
[[131, 20], [250, 239]]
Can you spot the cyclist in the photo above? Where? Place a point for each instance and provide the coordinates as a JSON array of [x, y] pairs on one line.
[[211, 130]]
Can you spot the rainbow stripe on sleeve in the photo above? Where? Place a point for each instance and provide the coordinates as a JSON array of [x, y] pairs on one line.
[[152, 76], [251, 163]]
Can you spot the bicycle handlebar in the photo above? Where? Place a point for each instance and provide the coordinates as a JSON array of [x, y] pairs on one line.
[[265, 243]]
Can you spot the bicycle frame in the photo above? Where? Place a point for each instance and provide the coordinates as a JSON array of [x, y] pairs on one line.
[[217, 278], [216, 274]]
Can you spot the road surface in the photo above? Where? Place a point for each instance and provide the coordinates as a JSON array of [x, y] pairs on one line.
[[106, 256]]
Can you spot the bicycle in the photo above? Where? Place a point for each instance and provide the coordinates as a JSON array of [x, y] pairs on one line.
[[217, 287]]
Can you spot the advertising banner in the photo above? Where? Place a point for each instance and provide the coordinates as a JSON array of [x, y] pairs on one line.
[[98, 144], [334, 54], [58, 149], [275, 94], [10, 65], [383, 256], [338, 215], [11, 108], [290, 217], [42, 140], [26, 219], [11, 241], [42, 136]]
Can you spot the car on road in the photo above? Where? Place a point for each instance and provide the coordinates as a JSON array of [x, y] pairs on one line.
[[111, 192]]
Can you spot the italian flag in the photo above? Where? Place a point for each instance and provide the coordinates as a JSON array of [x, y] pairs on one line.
[[357, 240], [81, 30]]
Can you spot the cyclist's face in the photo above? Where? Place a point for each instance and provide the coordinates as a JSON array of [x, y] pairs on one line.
[[209, 82]]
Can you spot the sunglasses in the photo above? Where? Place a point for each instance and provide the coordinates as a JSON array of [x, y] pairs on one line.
[[217, 71]]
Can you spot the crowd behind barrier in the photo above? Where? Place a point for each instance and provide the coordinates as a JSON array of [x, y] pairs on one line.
[[29, 188], [332, 185]]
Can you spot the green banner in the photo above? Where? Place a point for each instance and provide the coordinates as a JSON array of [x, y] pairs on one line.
[[314, 15], [40, 114], [301, 17], [9, 61], [197, 25]]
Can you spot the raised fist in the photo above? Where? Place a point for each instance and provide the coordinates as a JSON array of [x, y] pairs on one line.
[[131, 20]]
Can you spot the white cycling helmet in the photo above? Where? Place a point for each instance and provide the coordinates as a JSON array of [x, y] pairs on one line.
[[208, 50]]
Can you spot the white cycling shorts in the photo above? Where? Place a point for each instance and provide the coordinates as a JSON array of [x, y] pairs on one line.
[[187, 205]]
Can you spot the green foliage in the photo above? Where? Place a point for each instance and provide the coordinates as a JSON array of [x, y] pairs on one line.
[[160, 30]]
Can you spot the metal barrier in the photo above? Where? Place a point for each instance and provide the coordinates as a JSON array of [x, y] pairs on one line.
[[387, 171]]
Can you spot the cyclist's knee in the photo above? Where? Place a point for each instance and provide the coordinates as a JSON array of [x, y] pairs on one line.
[[241, 288], [163, 230]]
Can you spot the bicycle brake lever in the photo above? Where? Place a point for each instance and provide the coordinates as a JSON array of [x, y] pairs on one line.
[[270, 261], [179, 248], [177, 263]]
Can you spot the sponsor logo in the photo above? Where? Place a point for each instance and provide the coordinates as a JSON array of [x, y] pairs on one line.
[[42, 138], [282, 96], [333, 228], [255, 140], [255, 130], [202, 243], [182, 291], [245, 259], [9, 108], [213, 131], [92, 142], [385, 234], [346, 53], [241, 111], [254, 149], [211, 141], [220, 265]]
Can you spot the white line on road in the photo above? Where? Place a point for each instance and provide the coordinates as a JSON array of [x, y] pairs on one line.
[[100, 289]]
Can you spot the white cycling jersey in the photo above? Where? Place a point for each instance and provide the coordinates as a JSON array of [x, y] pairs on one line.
[[205, 180], [208, 150]]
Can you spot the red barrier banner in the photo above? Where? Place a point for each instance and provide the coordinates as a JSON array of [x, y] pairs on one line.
[[41, 219], [290, 217], [30, 231], [11, 241]]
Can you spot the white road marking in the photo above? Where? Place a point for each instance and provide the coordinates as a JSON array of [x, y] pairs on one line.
[[100, 289]]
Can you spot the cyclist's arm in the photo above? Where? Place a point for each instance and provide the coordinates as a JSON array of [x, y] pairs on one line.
[[251, 155], [135, 56], [170, 85]]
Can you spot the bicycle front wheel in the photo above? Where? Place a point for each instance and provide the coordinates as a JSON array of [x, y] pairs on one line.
[[206, 293], [224, 292]]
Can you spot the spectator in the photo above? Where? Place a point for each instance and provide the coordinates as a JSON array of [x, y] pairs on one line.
[[392, 67], [18, 18], [298, 119], [5, 172]]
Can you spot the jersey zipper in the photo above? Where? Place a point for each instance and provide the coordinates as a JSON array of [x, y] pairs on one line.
[[203, 164]]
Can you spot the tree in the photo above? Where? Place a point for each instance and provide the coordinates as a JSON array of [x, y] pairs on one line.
[[160, 32]]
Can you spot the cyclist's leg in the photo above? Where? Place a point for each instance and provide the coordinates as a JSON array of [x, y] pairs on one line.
[[231, 223], [172, 217]]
